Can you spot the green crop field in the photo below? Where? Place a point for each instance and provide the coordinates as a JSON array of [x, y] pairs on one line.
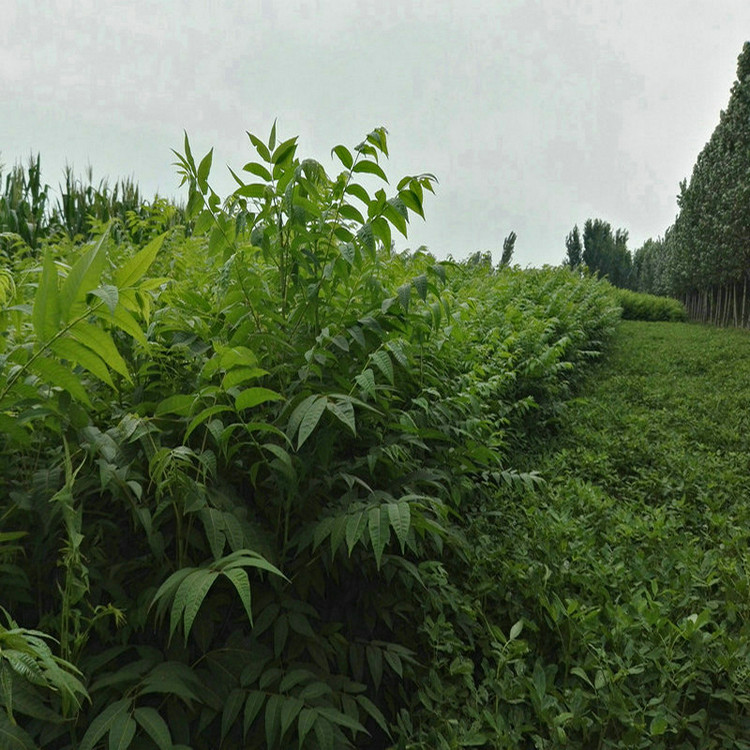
[[266, 482]]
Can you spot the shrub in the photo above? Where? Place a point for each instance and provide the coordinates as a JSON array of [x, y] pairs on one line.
[[640, 306]]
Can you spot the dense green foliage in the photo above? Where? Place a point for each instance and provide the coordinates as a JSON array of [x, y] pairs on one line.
[[618, 591], [28, 214], [602, 252], [239, 465], [628, 570], [641, 306], [703, 258]]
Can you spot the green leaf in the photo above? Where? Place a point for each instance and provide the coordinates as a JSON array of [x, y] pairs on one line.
[[233, 532], [658, 726], [202, 416], [324, 733], [260, 147], [190, 596], [45, 315], [125, 321], [12, 737], [290, 710], [369, 167], [382, 361], [374, 712], [239, 375], [78, 354], [351, 213], [108, 294], [247, 558], [137, 266], [253, 705], [305, 723], [377, 524], [213, 523], [241, 582], [399, 515], [257, 191], [366, 381], [284, 151], [180, 404], [412, 200], [55, 374], [167, 590], [122, 732], [237, 356], [273, 720], [382, 230], [232, 706], [103, 723], [366, 236], [252, 397], [395, 211], [82, 278], [337, 717], [171, 678], [204, 168], [343, 410], [358, 191], [355, 527], [307, 415], [344, 155], [515, 631], [375, 664], [100, 342], [203, 223], [259, 170], [155, 726], [420, 284]]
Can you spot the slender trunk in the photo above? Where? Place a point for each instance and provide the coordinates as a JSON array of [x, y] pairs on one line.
[[744, 297], [734, 305]]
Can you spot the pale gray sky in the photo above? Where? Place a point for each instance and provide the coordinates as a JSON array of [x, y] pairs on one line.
[[534, 114]]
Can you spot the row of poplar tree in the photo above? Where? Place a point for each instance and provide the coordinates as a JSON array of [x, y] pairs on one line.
[[703, 259]]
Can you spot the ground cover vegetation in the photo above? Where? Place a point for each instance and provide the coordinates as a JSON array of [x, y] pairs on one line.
[[241, 462], [619, 588]]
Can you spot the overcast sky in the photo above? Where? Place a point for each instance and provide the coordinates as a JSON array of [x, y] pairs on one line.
[[534, 114]]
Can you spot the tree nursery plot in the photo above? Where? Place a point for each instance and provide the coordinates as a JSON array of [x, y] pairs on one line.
[[268, 483]]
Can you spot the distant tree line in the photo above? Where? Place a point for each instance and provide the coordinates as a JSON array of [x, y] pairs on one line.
[[602, 251], [704, 257]]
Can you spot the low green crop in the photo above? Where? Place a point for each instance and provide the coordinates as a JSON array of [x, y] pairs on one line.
[[640, 306]]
